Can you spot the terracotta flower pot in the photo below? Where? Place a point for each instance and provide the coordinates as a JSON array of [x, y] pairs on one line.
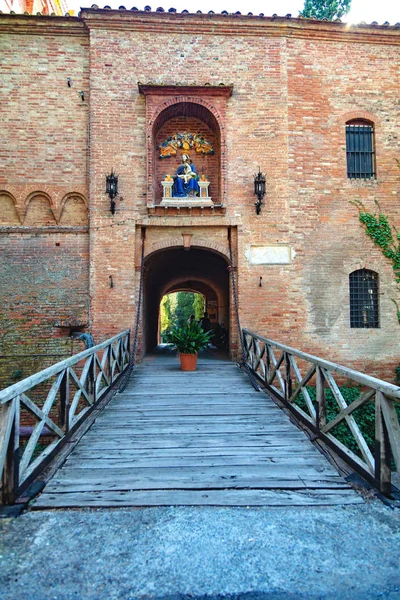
[[188, 362]]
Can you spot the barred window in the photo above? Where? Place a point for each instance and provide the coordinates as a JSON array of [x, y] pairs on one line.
[[360, 150], [364, 309]]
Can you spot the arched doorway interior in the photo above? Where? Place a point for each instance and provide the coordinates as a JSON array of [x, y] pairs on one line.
[[175, 269]]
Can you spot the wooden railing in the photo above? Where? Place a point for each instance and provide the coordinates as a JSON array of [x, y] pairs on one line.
[[301, 382], [55, 401]]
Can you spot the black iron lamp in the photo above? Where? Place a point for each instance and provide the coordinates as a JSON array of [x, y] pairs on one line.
[[112, 189], [259, 189]]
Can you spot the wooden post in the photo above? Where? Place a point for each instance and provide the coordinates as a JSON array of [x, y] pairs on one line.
[[288, 379], [11, 465], [267, 363], [382, 449], [321, 398], [64, 402], [92, 377], [110, 361]]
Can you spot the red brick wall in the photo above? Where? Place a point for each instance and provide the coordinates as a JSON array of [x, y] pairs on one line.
[[295, 84], [44, 284], [45, 143]]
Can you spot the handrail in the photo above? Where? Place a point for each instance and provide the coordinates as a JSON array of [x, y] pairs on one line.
[[76, 384], [275, 365], [372, 382], [25, 384]]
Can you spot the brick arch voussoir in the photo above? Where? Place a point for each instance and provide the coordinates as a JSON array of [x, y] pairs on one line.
[[189, 100], [360, 114], [178, 243], [14, 200], [42, 194], [67, 197], [204, 280], [369, 265], [202, 243]]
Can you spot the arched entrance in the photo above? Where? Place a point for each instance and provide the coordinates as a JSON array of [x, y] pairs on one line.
[[176, 269]]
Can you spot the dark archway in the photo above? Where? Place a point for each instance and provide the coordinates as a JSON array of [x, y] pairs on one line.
[[175, 269]]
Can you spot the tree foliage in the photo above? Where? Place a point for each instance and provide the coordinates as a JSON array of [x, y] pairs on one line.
[[325, 9], [176, 308], [165, 312], [198, 306]]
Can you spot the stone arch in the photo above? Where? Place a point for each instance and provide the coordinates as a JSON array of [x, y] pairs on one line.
[[73, 210], [8, 209], [201, 115], [39, 210]]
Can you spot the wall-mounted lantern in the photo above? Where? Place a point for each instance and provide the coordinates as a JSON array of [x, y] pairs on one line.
[[259, 189], [112, 189]]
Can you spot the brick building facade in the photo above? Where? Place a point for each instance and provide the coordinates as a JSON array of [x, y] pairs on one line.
[[82, 96]]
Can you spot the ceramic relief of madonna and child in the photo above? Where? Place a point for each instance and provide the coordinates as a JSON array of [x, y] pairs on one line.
[[185, 180]]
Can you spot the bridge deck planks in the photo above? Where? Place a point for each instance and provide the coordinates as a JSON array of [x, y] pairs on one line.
[[203, 438]]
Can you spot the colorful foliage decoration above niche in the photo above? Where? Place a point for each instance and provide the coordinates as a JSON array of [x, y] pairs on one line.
[[186, 141]]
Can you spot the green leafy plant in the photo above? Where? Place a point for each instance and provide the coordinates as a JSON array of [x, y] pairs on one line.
[[325, 9], [385, 236], [364, 416], [189, 339]]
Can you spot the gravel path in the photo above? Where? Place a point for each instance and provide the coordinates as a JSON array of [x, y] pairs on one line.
[[172, 553]]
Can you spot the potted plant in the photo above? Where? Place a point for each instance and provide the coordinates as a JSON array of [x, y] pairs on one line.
[[188, 340]]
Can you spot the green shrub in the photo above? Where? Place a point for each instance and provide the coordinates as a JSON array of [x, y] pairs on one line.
[[364, 416], [189, 339]]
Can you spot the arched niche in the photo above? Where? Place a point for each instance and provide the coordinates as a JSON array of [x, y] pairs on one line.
[[39, 212], [8, 211], [187, 117], [74, 211]]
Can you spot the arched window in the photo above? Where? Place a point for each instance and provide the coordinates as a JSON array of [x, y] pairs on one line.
[[360, 150], [364, 309]]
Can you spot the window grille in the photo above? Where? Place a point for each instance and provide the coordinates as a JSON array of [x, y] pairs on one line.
[[360, 151], [364, 309]]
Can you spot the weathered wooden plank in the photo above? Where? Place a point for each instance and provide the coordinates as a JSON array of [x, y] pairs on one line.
[[187, 429], [224, 451], [161, 462], [198, 390], [180, 441], [327, 497], [172, 412], [178, 473], [72, 485]]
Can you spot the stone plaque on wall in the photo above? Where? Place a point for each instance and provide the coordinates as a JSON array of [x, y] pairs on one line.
[[278, 254]]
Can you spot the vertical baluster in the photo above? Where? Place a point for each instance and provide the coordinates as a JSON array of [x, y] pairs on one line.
[[321, 398], [267, 363], [246, 346], [128, 347], [92, 375], [382, 449], [110, 362], [63, 418], [288, 378], [11, 466]]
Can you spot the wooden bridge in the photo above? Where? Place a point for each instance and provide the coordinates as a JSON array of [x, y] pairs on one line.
[[174, 438]]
